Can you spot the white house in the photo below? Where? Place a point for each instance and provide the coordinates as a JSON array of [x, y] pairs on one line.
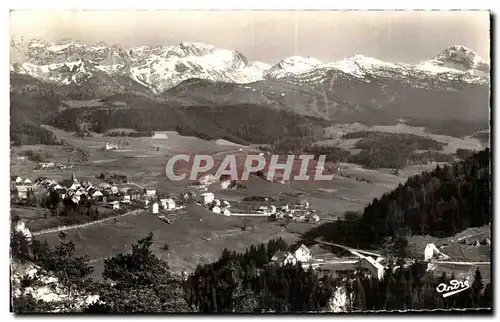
[[217, 202], [150, 193], [75, 198], [146, 203], [115, 205], [108, 146], [97, 194], [285, 208], [154, 208], [114, 190], [20, 227], [47, 164], [18, 180], [431, 252], [207, 197], [375, 268], [226, 212], [225, 204], [225, 184], [283, 258], [216, 210], [27, 181], [75, 186], [22, 192], [315, 218], [126, 199], [303, 254], [168, 203]]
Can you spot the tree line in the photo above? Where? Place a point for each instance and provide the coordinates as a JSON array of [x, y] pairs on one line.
[[250, 282], [242, 123], [440, 203]]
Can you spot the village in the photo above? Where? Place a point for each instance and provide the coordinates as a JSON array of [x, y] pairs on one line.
[[115, 194]]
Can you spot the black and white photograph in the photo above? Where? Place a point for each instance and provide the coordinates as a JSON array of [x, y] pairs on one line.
[[250, 162]]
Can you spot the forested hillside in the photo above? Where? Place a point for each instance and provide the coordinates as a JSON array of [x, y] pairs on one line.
[[247, 282], [439, 203], [240, 123], [28, 107]]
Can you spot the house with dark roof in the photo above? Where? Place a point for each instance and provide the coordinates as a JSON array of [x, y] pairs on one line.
[[283, 258]]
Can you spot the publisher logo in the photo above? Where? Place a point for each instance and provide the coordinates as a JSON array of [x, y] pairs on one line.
[[453, 288]]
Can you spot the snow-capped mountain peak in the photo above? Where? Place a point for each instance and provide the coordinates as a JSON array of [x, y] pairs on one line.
[[460, 55], [158, 67], [456, 58], [292, 65], [161, 67]]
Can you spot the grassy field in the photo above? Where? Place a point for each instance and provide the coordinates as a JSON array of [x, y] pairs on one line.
[[191, 241], [336, 131], [197, 237]]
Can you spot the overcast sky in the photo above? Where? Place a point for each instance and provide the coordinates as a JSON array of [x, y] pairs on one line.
[[270, 36]]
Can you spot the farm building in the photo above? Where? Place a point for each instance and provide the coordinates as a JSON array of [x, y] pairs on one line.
[[45, 165], [75, 198], [126, 199], [97, 195], [167, 204], [303, 254], [20, 227], [225, 184], [21, 192], [216, 209], [283, 258], [207, 197], [372, 266], [150, 193], [154, 208], [226, 212]]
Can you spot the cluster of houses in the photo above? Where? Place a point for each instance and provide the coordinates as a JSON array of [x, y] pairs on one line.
[[299, 212], [208, 200], [20, 188], [76, 191], [365, 264], [301, 254], [166, 204], [48, 165]]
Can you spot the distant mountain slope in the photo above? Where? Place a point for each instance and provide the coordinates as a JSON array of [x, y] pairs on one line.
[[343, 97], [243, 123], [453, 85], [438, 203]]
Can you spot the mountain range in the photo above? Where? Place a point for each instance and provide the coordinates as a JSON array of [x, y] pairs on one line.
[[453, 85], [163, 67]]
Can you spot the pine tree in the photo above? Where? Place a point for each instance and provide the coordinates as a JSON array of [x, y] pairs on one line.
[[476, 287]]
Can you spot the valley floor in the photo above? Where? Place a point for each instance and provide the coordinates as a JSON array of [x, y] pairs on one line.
[[198, 236]]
